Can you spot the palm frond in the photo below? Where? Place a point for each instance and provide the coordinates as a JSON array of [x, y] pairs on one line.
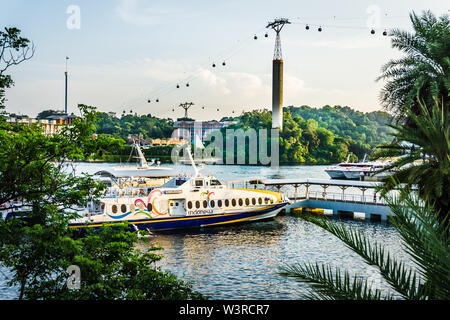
[[403, 279], [328, 283], [426, 239]]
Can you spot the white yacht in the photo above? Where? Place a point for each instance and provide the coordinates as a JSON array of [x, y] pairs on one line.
[[355, 171], [143, 169]]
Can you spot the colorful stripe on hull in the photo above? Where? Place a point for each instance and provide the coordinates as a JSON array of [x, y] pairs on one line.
[[186, 222]]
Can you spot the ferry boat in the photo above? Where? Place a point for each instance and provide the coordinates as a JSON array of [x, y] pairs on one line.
[[186, 202]]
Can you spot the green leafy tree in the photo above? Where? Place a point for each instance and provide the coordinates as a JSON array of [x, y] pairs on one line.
[[424, 71], [111, 268], [14, 49], [37, 246], [422, 154]]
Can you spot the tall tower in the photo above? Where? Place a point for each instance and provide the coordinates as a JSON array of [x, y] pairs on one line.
[[277, 75], [65, 98]]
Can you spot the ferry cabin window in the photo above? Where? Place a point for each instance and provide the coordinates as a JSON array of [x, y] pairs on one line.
[[227, 203], [123, 208], [205, 204], [215, 182], [179, 181], [189, 204], [233, 202], [212, 204], [219, 203], [241, 202], [197, 204], [247, 201], [260, 200], [199, 183], [114, 208], [253, 201]]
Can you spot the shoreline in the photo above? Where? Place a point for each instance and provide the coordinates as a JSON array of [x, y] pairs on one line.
[[220, 164]]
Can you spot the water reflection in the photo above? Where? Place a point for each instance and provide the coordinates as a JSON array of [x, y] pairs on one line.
[[242, 261]]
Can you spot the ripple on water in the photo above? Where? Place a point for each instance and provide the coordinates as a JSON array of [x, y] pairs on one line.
[[242, 261]]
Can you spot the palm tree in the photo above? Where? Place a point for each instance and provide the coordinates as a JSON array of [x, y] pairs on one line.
[[424, 71], [423, 155], [426, 241]]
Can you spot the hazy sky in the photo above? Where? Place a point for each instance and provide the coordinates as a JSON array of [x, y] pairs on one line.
[[124, 52]]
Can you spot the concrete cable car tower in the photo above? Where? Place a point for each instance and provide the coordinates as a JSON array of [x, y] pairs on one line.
[[277, 75]]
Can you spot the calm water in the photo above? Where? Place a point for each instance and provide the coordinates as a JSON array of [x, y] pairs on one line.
[[241, 261]]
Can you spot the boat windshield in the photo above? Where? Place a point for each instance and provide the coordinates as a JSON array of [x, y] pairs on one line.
[[175, 182]]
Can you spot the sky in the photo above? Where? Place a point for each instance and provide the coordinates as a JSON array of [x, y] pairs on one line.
[[123, 53]]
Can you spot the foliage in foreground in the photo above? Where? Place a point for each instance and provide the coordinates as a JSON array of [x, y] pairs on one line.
[[112, 268], [422, 153], [425, 238]]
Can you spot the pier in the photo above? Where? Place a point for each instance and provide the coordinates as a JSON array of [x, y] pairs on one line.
[[342, 203]]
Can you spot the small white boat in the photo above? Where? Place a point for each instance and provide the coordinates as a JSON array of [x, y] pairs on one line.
[[143, 169], [355, 171]]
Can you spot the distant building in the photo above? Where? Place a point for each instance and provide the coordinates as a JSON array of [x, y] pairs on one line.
[[200, 129], [50, 124], [165, 142], [149, 142]]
